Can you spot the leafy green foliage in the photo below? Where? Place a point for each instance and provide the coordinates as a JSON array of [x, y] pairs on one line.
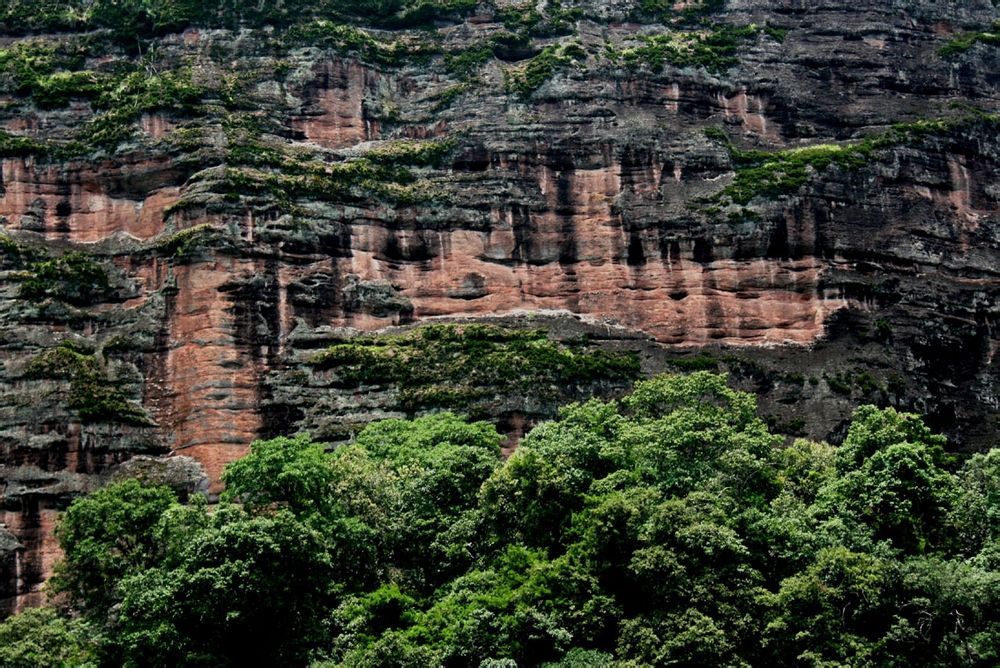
[[670, 528], [41, 637], [526, 79], [14, 255], [461, 366], [426, 12], [667, 10], [22, 16], [962, 43], [284, 473], [761, 174], [123, 100], [189, 242], [233, 589], [47, 71], [350, 39], [714, 50], [549, 20], [107, 535], [12, 146], [74, 277], [125, 19], [773, 174], [386, 171], [91, 393], [465, 63]]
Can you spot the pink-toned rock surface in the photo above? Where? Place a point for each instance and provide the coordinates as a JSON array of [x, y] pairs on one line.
[[208, 388], [336, 115], [35, 530], [75, 202]]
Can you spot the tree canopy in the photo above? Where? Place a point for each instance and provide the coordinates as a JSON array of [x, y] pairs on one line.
[[670, 528]]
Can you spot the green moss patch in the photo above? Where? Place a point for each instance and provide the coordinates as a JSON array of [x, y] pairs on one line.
[[12, 146], [962, 43], [665, 10], [189, 243], [772, 174], [462, 366], [425, 13], [526, 79], [14, 255], [255, 168], [122, 102], [118, 99], [75, 278], [125, 20], [91, 393], [464, 64], [345, 38], [784, 172], [846, 382], [714, 50], [528, 19], [49, 72], [449, 95]]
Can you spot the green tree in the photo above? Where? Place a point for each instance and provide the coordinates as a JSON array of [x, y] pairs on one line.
[[826, 614], [975, 514], [242, 590], [892, 481], [42, 638], [668, 528], [106, 535], [873, 429], [430, 471], [292, 473]]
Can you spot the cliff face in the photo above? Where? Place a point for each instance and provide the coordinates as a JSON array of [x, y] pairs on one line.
[[803, 193]]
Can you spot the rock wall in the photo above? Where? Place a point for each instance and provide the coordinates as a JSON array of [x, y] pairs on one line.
[[282, 193]]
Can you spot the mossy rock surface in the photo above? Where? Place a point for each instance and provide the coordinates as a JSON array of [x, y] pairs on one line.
[[465, 366], [91, 393]]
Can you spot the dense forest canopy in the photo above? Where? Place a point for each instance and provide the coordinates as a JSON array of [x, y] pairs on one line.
[[670, 528]]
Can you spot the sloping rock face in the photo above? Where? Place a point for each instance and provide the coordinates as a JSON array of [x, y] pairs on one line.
[[802, 193]]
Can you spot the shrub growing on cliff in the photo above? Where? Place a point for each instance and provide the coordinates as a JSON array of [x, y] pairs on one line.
[[94, 396], [466, 366], [774, 174], [74, 277], [670, 528], [714, 50], [125, 19], [962, 43], [526, 79]]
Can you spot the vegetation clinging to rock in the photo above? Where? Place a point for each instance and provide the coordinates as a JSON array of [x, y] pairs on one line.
[[715, 50], [461, 366], [525, 79], [74, 277], [126, 19], [965, 41], [91, 393], [778, 173]]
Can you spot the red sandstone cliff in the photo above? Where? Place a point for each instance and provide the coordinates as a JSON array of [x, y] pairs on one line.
[[242, 230]]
